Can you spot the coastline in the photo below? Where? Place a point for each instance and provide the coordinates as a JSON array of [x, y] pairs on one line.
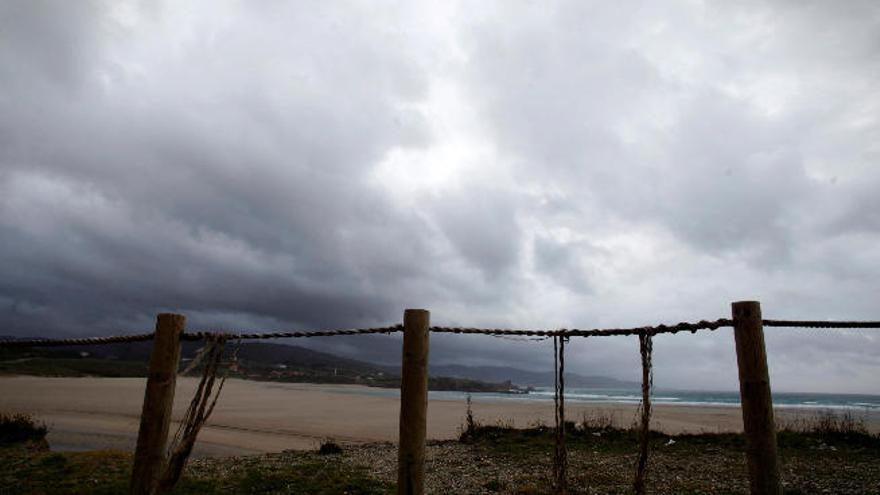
[[256, 417]]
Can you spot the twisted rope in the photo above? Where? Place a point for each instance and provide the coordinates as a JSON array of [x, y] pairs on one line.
[[200, 409], [115, 339], [194, 336], [295, 335], [598, 332], [560, 457], [821, 324]]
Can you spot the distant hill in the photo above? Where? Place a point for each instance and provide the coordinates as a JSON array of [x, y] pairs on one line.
[[255, 361], [295, 363], [525, 378], [264, 353]]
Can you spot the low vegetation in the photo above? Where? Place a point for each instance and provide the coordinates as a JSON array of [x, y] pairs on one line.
[[820, 453], [825, 453], [25, 469], [19, 427], [826, 422], [72, 366], [329, 447]]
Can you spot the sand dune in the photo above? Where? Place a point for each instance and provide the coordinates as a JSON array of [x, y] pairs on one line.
[[251, 417]]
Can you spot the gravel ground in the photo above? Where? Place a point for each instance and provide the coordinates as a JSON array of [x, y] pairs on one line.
[[453, 467]]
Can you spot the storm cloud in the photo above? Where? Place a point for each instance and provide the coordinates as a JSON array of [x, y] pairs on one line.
[[543, 165]]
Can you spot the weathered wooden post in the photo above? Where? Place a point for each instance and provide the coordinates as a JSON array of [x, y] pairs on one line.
[[149, 456], [413, 403], [757, 404]]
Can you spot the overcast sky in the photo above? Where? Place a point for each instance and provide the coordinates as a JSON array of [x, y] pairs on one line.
[[277, 165]]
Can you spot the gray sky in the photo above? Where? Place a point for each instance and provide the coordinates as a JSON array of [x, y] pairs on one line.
[[269, 165]]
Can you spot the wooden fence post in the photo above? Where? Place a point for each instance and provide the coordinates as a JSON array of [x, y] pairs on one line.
[[149, 456], [757, 404], [413, 403]]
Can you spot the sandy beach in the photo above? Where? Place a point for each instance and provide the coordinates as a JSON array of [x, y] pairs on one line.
[[255, 417]]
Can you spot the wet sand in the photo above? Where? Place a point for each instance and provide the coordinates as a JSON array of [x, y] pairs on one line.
[[254, 417]]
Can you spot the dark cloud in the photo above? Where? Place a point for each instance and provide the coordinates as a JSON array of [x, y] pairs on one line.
[[481, 225], [561, 165], [559, 260]]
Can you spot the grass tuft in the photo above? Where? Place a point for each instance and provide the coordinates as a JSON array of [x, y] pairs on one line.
[[598, 420], [828, 427], [471, 426]]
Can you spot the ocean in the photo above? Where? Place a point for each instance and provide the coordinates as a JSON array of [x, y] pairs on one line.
[[857, 402]]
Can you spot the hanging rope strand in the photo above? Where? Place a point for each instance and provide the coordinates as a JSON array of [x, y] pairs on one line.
[[645, 349], [196, 416]]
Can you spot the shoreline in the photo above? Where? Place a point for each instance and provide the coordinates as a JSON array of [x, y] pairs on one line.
[[258, 417]]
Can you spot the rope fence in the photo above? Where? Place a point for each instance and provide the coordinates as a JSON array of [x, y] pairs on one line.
[[560, 455], [502, 332], [116, 339], [820, 324], [751, 356]]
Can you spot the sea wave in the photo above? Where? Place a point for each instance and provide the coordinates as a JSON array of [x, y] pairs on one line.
[[695, 399]]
